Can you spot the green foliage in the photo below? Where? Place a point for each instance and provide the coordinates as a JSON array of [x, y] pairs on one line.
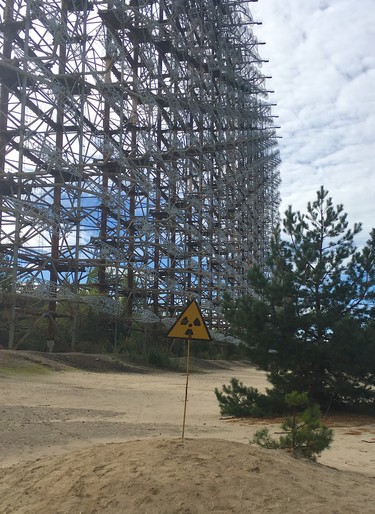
[[304, 432], [238, 400], [309, 320], [163, 360], [28, 369], [264, 438], [95, 331]]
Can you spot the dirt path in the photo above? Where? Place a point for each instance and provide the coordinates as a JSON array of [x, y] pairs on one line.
[[56, 412]]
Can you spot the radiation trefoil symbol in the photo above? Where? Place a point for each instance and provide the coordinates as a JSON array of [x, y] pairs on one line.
[[196, 323]]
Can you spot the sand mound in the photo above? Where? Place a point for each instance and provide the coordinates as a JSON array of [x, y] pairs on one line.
[[196, 476]]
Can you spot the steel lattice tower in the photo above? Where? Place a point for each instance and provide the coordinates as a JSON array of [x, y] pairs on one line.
[[138, 155]]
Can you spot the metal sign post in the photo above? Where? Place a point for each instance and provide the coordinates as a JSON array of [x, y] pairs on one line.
[[187, 384]]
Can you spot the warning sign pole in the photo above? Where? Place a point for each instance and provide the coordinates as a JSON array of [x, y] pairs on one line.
[[187, 384]]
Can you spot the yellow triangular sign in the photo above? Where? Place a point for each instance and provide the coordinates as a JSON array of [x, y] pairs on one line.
[[190, 325]]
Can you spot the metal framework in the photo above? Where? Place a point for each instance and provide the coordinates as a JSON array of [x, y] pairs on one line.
[[138, 155]]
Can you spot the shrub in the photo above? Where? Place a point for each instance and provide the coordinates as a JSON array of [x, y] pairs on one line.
[[304, 433], [238, 400]]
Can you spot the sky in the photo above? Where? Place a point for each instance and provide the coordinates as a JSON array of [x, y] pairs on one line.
[[322, 62]]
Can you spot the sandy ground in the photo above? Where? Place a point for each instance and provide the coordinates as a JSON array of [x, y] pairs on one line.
[[54, 430]]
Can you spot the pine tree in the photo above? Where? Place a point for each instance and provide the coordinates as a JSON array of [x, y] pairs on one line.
[[303, 432], [309, 320]]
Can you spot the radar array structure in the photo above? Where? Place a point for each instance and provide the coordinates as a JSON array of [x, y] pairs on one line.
[[138, 156]]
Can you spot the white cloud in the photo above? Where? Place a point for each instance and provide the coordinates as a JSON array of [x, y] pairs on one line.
[[323, 70]]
